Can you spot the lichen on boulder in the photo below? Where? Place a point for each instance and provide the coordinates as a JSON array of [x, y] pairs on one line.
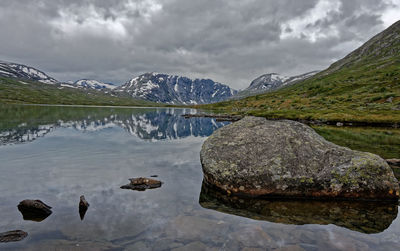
[[259, 157]]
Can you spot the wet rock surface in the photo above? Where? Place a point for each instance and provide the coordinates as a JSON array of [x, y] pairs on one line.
[[83, 207], [362, 216], [258, 157], [11, 236], [34, 210], [142, 184]]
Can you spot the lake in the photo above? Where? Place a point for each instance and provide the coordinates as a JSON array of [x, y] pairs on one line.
[[57, 154]]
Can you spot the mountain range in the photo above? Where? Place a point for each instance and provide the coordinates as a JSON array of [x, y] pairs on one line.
[[172, 89], [158, 87], [153, 87]]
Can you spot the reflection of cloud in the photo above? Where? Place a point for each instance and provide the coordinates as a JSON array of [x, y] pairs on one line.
[[155, 125], [96, 165]]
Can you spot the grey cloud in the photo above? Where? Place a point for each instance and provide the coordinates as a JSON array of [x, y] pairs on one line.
[[229, 41]]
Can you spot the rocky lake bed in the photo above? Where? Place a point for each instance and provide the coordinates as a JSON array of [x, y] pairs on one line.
[[68, 152]]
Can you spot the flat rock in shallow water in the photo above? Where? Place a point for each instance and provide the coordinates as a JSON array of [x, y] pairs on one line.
[[11, 236], [259, 157], [142, 184]]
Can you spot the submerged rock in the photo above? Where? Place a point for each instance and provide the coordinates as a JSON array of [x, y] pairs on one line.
[[259, 157], [34, 210], [362, 216], [83, 207], [142, 184], [11, 236]]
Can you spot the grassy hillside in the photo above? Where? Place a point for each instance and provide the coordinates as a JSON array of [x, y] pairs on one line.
[[14, 91], [362, 87]]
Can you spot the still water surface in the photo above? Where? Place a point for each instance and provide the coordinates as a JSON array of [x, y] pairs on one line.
[[56, 154]]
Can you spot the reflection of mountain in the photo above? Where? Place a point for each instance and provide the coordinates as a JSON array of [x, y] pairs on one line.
[[24, 134], [362, 216], [168, 125], [155, 124]]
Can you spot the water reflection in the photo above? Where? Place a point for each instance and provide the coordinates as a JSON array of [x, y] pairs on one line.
[[98, 155], [147, 124], [32, 215], [364, 217]]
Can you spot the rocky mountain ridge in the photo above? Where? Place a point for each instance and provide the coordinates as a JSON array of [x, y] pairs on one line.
[[13, 70], [172, 89], [271, 82]]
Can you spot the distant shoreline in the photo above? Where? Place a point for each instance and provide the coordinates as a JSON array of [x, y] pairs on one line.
[[233, 118], [101, 106]]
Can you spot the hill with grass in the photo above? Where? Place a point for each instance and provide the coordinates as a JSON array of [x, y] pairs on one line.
[[17, 91], [363, 87]]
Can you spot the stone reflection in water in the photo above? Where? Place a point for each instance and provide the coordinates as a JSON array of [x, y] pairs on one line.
[[146, 124], [362, 216], [31, 215]]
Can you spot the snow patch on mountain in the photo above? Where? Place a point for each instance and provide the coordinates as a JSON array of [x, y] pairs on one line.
[[93, 84]]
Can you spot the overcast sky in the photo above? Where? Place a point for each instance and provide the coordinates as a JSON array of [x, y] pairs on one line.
[[231, 42]]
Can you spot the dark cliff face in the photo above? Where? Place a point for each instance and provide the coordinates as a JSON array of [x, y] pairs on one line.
[[169, 89]]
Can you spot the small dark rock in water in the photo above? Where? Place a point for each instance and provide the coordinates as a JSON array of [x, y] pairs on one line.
[[142, 184], [154, 176], [34, 210], [11, 236], [83, 207]]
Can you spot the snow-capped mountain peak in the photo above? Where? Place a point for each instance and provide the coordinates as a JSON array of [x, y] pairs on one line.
[[273, 81], [93, 84], [172, 89], [13, 70]]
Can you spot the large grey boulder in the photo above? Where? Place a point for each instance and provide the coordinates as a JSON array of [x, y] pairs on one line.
[[259, 157]]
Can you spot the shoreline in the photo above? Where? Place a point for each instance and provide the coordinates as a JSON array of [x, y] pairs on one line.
[[234, 118], [100, 106]]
